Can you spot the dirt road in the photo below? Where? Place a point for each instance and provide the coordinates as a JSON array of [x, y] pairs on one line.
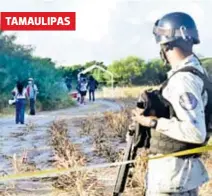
[[33, 139]]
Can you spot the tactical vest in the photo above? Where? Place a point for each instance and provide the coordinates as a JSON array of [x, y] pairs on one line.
[[159, 143]]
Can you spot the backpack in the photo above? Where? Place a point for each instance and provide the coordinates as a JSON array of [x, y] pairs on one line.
[[207, 87]]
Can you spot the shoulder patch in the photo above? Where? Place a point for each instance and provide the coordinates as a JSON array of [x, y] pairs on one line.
[[188, 101]]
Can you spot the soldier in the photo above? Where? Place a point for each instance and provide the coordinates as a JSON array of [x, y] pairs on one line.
[[186, 128]]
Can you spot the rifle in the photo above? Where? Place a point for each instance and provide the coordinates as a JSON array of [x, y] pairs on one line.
[[139, 136], [130, 153]]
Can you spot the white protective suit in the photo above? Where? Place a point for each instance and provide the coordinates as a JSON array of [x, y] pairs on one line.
[[184, 92]]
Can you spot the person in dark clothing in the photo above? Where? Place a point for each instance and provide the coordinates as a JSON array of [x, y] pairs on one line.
[[78, 90], [92, 86], [68, 83], [32, 91], [20, 95]]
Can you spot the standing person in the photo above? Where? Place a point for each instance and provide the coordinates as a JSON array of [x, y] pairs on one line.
[[83, 90], [68, 83], [32, 92], [186, 128], [20, 95], [78, 89], [92, 86]]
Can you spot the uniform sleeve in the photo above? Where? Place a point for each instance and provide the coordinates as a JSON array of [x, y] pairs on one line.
[[185, 95]]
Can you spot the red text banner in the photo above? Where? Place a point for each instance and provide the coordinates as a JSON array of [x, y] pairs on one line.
[[38, 21]]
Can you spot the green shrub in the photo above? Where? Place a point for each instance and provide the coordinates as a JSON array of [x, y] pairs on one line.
[[17, 63]]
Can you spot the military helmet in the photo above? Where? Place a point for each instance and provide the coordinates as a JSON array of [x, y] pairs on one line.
[[174, 26]]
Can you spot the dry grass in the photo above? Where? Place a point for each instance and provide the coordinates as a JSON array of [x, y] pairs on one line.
[[136, 184], [87, 125], [103, 147], [104, 130], [122, 92], [21, 163], [111, 125], [206, 189], [66, 155], [8, 191], [95, 128], [117, 123]]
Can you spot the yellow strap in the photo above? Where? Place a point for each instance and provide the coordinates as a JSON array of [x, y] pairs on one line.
[[56, 172]]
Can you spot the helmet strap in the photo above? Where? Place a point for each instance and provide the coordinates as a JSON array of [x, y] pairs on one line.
[[163, 57], [164, 49]]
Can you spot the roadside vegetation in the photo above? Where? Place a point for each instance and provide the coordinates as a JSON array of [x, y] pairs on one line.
[[107, 132], [17, 62]]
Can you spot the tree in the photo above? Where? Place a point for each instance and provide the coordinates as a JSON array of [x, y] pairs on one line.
[[127, 69], [207, 63], [18, 63]]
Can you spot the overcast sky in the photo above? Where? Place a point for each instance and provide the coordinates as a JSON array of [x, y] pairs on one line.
[[108, 30]]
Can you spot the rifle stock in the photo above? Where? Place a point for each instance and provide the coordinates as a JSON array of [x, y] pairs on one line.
[[123, 169], [153, 104], [129, 154]]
